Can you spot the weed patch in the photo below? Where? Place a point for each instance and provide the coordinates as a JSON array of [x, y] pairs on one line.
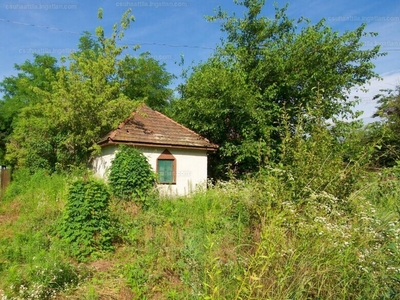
[[86, 225]]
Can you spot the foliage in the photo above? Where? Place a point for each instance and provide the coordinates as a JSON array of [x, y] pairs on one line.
[[33, 264], [175, 242], [314, 159], [88, 46], [72, 106], [131, 176], [85, 103], [18, 92], [238, 239], [86, 225], [382, 189], [311, 223], [387, 129], [141, 77], [316, 249], [236, 98], [44, 280], [219, 104], [144, 77], [244, 239]]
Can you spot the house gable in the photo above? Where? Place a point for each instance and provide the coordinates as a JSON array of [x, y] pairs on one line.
[[176, 153], [146, 127]]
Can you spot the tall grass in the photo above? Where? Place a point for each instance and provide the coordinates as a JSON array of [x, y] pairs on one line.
[[175, 242], [248, 240], [244, 239], [32, 264]]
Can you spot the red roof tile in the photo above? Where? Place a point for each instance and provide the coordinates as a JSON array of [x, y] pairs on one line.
[[146, 127]]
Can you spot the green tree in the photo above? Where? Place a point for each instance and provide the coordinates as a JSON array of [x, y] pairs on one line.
[[131, 176], [19, 92], [86, 102], [87, 43], [387, 129], [142, 78], [146, 78], [266, 66]]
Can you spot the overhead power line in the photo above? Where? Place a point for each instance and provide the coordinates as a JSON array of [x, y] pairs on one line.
[[39, 26], [129, 44]]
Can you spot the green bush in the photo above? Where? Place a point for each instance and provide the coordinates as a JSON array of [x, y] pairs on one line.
[[131, 176], [86, 226], [240, 239], [33, 264], [319, 249], [43, 278], [312, 159]]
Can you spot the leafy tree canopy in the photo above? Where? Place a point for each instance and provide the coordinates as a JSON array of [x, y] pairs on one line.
[[84, 103], [386, 131], [145, 77], [52, 116], [264, 67], [142, 77], [18, 91]]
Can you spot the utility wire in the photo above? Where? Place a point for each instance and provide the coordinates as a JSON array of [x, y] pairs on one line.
[[128, 44], [77, 33], [39, 26]]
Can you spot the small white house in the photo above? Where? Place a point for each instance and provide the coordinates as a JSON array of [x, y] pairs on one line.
[[177, 154]]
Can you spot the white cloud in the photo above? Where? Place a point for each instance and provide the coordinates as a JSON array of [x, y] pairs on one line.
[[367, 104]]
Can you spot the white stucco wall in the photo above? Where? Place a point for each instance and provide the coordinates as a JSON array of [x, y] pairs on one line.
[[191, 167], [103, 161]]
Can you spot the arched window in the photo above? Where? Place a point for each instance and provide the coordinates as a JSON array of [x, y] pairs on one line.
[[166, 168]]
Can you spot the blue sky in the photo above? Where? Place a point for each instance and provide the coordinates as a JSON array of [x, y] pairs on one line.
[[170, 29]]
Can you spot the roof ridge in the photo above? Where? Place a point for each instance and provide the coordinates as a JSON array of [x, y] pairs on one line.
[[144, 111], [112, 134], [184, 127]]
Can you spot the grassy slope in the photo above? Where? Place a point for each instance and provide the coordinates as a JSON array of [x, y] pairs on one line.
[[238, 240]]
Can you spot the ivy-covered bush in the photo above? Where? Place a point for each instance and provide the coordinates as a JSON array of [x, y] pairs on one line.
[[131, 176], [86, 225]]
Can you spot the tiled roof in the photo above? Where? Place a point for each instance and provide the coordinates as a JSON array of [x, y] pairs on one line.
[[146, 127]]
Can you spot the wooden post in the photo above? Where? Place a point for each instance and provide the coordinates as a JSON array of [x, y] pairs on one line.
[[5, 179]]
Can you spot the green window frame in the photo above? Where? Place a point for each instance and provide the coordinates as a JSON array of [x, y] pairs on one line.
[[166, 168], [165, 171]]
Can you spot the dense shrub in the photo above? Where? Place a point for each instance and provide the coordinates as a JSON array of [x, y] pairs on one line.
[[320, 248], [313, 158], [131, 176], [42, 279], [86, 225], [242, 239], [33, 264]]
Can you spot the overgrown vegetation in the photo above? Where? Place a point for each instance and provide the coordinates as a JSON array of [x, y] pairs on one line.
[[386, 129], [52, 116], [301, 216], [244, 239], [33, 264], [309, 227], [86, 224], [263, 69], [131, 176]]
